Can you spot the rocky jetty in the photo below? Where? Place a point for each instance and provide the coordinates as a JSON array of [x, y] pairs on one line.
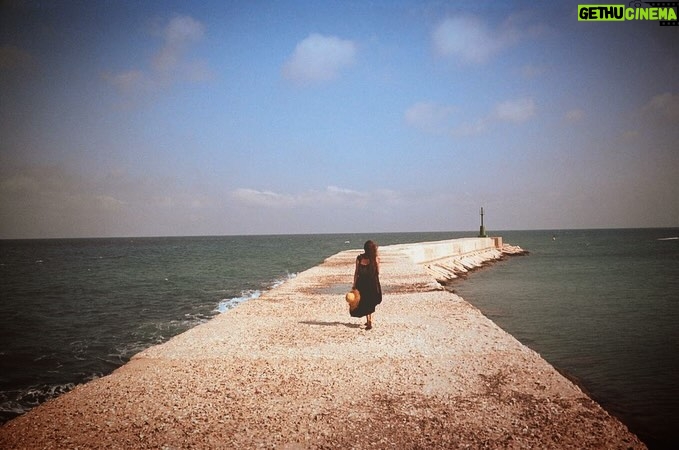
[[293, 370]]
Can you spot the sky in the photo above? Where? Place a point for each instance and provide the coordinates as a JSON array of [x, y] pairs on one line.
[[178, 118]]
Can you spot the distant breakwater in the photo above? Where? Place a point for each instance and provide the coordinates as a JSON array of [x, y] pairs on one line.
[[452, 259]]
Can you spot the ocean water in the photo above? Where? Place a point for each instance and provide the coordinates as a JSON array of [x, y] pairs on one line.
[[76, 309], [600, 305]]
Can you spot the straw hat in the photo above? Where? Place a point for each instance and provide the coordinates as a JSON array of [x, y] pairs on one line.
[[353, 297]]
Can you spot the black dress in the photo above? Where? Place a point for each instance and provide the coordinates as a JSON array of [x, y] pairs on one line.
[[368, 284]]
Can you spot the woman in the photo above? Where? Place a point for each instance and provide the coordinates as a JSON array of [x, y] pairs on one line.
[[367, 281]]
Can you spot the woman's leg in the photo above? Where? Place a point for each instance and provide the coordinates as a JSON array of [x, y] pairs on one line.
[[369, 323]]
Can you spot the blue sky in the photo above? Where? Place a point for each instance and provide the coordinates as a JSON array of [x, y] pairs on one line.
[[264, 117]]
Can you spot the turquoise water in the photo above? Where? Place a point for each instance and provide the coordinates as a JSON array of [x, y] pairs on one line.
[[600, 305]]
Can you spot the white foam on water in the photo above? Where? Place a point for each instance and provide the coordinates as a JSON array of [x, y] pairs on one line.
[[25, 400], [280, 281], [230, 303]]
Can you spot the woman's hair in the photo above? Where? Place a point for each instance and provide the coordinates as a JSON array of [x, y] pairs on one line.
[[370, 250]]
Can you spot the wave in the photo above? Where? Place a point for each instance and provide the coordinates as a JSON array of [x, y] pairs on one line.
[[230, 303], [673, 238], [280, 281], [15, 403]]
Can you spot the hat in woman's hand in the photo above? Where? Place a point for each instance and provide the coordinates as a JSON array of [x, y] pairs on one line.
[[353, 297]]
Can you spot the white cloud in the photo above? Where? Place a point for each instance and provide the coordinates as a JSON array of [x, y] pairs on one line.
[[342, 194], [429, 117], [466, 38], [177, 36], [516, 111], [268, 199], [319, 58], [171, 63], [48, 201], [56, 201], [331, 209], [472, 41], [182, 30], [439, 119], [108, 203], [330, 196]]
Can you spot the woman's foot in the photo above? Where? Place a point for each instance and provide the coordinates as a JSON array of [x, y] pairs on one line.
[[368, 325]]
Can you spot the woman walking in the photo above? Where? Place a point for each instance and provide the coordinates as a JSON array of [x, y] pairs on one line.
[[367, 282]]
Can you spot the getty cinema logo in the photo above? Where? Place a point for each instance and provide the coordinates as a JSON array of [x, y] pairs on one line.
[[664, 12]]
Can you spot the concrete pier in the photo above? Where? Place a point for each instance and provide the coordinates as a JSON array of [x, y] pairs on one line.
[[292, 369], [446, 260]]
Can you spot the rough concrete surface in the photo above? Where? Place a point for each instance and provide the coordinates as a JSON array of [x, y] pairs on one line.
[[292, 370]]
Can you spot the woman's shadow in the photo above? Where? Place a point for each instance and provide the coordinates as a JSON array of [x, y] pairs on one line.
[[330, 324]]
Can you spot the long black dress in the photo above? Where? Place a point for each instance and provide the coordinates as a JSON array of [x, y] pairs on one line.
[[368, 284]]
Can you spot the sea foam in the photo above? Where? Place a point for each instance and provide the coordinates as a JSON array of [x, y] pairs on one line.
[[230, 303]]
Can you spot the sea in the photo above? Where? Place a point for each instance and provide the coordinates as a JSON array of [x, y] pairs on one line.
[[602, 306]]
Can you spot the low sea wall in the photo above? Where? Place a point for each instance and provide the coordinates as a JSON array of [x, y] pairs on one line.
[[291, 369], [449, 259]]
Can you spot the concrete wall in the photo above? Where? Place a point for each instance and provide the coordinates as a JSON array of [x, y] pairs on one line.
[[428, 252], [446, 260]]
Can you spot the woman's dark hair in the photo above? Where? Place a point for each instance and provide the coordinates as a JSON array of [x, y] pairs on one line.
[[370, 251]]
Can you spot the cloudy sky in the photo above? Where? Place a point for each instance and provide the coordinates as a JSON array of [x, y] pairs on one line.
[[127, 118]]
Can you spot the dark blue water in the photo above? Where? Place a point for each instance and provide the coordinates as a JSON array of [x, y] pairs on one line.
[[600, 305]]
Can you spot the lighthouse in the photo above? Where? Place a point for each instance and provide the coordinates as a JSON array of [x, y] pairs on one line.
[[482, 229]]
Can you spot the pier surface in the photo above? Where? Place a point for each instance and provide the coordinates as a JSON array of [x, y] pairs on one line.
[[292, 370]]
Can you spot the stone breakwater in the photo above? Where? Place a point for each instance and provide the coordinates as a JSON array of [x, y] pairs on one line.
[[447, 260], [292, 370]]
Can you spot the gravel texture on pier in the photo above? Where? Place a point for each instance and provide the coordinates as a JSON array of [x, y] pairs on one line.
[[293, 370]]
